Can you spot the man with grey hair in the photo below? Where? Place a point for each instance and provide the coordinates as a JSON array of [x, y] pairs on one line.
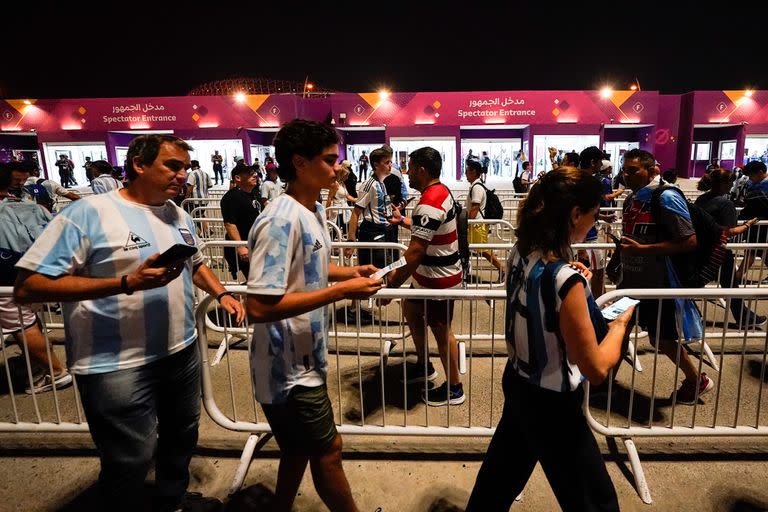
[[137, 366]]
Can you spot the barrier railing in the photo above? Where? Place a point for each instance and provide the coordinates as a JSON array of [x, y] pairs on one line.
[[22, 408], [366, 387], [632, 407]]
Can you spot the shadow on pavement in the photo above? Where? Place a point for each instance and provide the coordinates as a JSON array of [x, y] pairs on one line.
[[253, 498], [641, 404], [371, 389], [756, 369]]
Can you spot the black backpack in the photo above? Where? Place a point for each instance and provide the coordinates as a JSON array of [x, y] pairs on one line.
[[698, 269], [493, 208], [462, 233]]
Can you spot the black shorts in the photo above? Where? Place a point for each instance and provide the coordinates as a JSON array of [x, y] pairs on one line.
[[438, 312], [304, 424], [648, 320]]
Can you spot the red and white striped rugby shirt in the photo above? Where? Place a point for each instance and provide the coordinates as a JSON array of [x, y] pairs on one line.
[[434, 220]]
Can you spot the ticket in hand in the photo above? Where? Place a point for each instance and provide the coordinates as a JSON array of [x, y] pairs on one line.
[[389, 268]]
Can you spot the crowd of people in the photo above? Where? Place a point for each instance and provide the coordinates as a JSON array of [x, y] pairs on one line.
[[137, 367]]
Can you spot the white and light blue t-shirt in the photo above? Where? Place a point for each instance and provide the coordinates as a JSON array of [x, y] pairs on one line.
[[375, 202], [200, 182], [106, 236], [290, 252], [104, 183]]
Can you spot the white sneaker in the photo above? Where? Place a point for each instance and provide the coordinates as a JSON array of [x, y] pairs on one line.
[[45, 383]]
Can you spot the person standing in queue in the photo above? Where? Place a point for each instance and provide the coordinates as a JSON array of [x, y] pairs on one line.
[[130, 326], [239, 208], [556, 339]]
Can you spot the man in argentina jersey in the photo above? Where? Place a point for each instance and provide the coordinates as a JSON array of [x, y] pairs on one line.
[[646, 246], [129, 327], [433, 260], [198, 182], [288, 298], [103, 180], [375, 207]]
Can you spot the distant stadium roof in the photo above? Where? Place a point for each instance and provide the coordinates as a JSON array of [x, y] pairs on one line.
[[254, 86]]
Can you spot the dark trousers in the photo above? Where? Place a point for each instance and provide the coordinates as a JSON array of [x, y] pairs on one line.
[[370, 232], [138, 413], [538, 425], [739, 310], [218, 173]]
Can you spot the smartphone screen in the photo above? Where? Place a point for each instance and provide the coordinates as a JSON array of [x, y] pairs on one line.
[[618, 307]]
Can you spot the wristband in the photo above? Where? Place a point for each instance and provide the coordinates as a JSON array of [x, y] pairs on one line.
[[124, 285], [401, 221], [223, 294]]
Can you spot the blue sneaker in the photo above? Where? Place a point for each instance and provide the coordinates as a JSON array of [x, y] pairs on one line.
[[439, 396]]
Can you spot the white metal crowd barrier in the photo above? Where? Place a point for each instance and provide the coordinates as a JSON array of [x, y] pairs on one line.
[[22, 409], [632, 407]]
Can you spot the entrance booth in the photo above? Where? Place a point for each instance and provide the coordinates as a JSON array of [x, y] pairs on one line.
[[20, 147], [618, 139], [756, 148], [357, 139], [501, 144], [75, 146], [714, 143]]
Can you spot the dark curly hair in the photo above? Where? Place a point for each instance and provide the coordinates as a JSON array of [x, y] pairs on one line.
[[304, 138]]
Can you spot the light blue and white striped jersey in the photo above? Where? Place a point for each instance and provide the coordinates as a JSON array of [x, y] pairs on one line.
[[375, 202], [200, 182], [535, 352], [106, 236], [271, 190], [104, 183], [290, 252]]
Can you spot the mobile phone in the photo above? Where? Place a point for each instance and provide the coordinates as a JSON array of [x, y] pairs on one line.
[[618, 307], [175, 254]]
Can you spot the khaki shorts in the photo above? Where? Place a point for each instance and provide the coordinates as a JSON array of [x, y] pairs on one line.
[[10, 320], [478, 234]]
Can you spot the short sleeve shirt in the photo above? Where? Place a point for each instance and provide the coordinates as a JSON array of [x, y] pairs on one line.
[[720, 208], [240, 208], [375, 202], [290, 252], [638, 224], [434, 220], [476, 195], [104, 183], [200, 183], [106, 236], [270, 190]]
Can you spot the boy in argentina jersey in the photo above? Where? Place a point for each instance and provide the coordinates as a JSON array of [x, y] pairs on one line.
[[129, 327], [647, 243], [288, 298]]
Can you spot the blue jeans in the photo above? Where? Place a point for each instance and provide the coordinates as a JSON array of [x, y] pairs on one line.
[[136, 412]]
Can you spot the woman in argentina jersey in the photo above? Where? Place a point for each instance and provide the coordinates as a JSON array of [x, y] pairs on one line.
[[556, 338]]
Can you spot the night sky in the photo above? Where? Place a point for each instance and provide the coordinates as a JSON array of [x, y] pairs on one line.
[[61, 51]]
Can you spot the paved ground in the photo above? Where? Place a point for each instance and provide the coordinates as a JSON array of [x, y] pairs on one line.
[[57, 472]]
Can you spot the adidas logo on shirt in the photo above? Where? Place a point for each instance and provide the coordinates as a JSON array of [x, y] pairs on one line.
[[134, 242], [318, 246]]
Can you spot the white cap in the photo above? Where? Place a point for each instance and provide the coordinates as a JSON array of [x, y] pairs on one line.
[[605, 164]]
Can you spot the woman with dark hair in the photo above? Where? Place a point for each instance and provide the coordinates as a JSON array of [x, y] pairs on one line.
[[716, 184], [556, 338]]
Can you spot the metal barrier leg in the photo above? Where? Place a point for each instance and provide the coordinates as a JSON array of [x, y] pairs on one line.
[[711, 357], [637, 470], [633, 360], [245, 460]]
